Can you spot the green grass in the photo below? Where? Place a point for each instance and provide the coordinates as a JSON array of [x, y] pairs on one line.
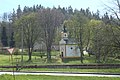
[[116, 70], [113, 60], [37, 60], [5, 60], [43, 77]]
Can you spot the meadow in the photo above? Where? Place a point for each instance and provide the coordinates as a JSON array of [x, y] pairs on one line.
[[5, 60]]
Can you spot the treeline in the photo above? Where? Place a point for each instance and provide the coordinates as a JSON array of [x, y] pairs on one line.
[[99, 35]]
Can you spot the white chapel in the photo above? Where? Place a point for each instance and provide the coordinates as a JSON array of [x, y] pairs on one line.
[[68, 47]]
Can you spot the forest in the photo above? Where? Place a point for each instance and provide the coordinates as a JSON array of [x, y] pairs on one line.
[[98, 35]]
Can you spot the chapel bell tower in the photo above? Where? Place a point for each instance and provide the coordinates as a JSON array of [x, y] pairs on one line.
[[64, 34]]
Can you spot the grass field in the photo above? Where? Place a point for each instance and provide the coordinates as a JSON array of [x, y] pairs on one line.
[[5, 60], [117, 70], [37, 60], [42, 77]]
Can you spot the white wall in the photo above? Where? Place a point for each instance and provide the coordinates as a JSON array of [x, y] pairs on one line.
[[72, 51]]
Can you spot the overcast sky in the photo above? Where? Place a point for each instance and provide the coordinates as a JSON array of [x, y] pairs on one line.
[[8, 5]]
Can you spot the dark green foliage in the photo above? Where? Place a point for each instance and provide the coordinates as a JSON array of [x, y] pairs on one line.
[[4, 38], [19, 12], [12, 41], [70, 10], [106, 19]]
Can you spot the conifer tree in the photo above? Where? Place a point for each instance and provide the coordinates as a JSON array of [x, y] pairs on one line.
[[4, 38], [12, 42]]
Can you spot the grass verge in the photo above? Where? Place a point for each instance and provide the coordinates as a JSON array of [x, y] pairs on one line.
[[43, 77]]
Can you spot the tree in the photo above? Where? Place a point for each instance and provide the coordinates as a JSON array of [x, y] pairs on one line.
[[97, 38], [100, 40], [31, 30], [5, 17], [70, 10], [12, 41], [19, 12], [115, 21], [77, 29], [97, 15], [25, 10], [34, 8], [49, 20], [4, 38], [13, 16]]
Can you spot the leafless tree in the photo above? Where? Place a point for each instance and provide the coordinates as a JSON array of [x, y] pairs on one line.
[[49, 20], [115, 20]]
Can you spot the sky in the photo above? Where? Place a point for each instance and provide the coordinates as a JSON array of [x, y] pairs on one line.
[[8, 5]]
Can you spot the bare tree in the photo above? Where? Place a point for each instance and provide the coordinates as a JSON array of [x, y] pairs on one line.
[[115, 21], [49, 20], [31, 30]]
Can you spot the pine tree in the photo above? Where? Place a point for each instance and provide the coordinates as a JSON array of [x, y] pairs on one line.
[[12, 42], [19, 12], [70, 10], [4, 38], [34, 8]]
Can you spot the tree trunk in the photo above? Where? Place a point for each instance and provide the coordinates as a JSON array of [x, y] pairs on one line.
[[81, 56], [98, 55], [29, 54], [81, 51], [81, 46], [49, 54], [104, 57], [106, 54]]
